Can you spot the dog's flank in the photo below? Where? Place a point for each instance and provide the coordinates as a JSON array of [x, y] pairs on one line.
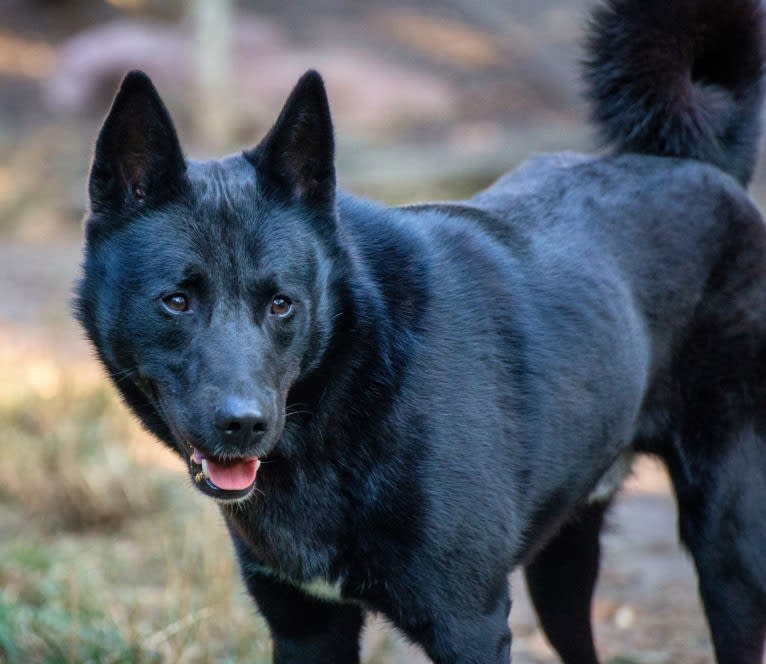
[[395, 407]]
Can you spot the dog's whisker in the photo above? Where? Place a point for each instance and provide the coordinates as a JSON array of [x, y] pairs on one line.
[[126, 374], [298, 412]]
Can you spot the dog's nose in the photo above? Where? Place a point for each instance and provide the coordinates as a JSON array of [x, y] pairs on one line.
[[240, 421]]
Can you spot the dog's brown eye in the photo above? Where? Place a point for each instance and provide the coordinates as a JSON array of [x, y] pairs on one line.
[[176, 303], [281, 306]]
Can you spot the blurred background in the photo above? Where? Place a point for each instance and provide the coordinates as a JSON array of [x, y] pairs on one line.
[[106, 553]]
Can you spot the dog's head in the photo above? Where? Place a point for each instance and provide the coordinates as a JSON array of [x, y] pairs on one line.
[[207, 287]]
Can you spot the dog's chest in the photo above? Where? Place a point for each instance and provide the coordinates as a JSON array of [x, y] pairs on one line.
[[297, 540], [318, 587]]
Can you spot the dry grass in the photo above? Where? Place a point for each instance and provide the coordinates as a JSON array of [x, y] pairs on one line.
[[63, 446], [106, 555]]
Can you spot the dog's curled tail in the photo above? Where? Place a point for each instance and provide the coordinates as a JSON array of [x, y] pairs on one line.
[[679, 78]]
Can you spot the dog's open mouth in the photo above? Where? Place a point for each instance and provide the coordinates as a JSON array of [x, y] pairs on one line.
[[224, 479]]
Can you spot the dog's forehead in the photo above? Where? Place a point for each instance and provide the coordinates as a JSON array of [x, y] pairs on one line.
[[226, 206], [220, 180], [226, 227]]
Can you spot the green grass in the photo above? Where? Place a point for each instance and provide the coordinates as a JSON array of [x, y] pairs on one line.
[[108, 600]]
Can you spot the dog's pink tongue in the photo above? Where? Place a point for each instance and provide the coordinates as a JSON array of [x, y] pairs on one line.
[[233, 476]]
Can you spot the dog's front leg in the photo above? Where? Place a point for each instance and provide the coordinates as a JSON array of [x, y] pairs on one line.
[[468, 626], [303, 628]]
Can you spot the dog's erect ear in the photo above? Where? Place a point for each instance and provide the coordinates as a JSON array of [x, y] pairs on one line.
[[298, 153], [138, 159]]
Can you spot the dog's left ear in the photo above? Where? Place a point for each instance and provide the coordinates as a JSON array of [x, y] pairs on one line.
[[298, 153]]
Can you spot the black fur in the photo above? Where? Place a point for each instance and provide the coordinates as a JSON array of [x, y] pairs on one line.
[[681, 78], [438, 392]]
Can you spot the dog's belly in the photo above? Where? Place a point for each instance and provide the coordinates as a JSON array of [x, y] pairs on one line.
[[611, 481]]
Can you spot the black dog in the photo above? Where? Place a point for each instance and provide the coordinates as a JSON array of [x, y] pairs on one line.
[[441, 393]]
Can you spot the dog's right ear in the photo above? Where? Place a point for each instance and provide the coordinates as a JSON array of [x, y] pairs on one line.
[[297, 154], [138, 159]]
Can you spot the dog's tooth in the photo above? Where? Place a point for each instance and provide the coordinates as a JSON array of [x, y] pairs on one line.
[[257, 464], [204, 468]]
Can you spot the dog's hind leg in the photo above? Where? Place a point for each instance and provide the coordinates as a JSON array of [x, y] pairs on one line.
[[722, 521], [561, 579]]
